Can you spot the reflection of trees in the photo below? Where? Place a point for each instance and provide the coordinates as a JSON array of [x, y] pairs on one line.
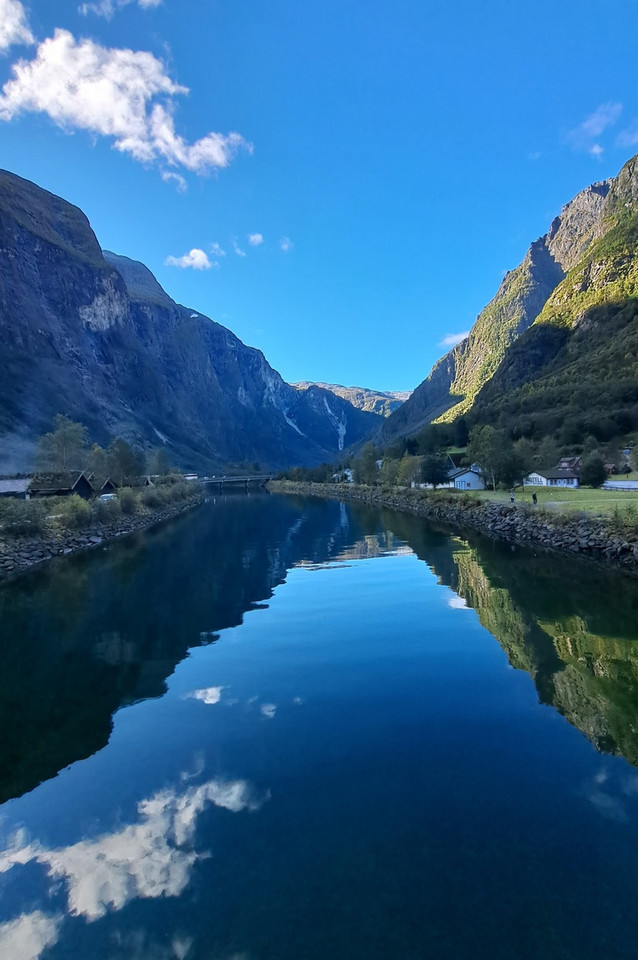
[[91, 633], [572, 627]]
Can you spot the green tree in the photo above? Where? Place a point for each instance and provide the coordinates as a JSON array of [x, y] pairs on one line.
[[365, 466], [549, 453], [434, 469], [389, 471], [157, 462], [494, 452], [593, 472], [64, 449], [124, 461], [408, 470], [485, 449], [96, 462]]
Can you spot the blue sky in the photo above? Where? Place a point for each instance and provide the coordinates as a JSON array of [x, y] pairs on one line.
[[354, 178]]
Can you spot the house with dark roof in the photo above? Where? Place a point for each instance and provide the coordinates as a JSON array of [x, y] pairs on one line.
[[555, 477], [61, 485]]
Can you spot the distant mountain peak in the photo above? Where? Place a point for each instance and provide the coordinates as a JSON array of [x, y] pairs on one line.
[[381, 402]]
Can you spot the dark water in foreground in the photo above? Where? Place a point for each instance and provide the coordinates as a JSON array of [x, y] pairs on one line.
[[271, 731]]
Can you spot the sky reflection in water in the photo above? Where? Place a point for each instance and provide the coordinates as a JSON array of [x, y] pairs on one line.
[[343, 765]]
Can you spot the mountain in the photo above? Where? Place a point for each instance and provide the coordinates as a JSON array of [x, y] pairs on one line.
[[381, 402], [93, 335], [585, 261]]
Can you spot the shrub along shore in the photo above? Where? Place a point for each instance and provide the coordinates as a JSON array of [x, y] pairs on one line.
[[34, 531], [612, 539]]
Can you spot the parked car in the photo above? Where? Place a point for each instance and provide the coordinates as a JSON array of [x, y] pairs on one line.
[[108, 496]]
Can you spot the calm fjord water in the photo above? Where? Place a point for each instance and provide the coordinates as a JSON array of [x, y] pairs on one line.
[[287, 729]]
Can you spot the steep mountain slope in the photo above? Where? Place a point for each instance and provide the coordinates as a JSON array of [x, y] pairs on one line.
[[95, 337], [457, 378], [575, 371], [381, 402]]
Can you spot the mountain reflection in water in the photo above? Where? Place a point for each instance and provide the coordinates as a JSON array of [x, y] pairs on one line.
[[349, 770], [71, 658]]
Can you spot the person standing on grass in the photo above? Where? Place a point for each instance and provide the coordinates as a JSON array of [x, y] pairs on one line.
[[534, 498]]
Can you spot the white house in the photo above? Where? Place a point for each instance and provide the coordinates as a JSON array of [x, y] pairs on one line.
[[551, 478], [468, 479]]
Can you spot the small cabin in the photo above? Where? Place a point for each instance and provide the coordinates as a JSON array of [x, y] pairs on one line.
[[468, 479], [61, 485]]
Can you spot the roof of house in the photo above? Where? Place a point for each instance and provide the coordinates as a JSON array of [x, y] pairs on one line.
[[57, 481], [15, 485], [555, 474], [461, 471]]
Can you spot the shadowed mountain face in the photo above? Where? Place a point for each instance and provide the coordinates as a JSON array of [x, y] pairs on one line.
[[578, 279], [95, 337]]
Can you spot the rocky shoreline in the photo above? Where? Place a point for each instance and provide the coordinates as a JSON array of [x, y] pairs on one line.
[[577, 534], [20, 553]]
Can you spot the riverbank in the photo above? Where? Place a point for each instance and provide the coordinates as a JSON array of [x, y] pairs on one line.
[[610, 539], [20, 552]]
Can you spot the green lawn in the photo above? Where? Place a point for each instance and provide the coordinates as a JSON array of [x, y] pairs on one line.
[[563, 499]]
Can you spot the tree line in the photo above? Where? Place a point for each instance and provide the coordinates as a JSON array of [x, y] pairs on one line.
[[67, 449]]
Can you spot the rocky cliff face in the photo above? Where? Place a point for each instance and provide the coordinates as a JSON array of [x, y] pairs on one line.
[[457, 378], [381, 402], [94, 336]]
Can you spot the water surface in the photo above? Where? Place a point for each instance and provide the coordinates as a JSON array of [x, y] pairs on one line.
[[280, 728]]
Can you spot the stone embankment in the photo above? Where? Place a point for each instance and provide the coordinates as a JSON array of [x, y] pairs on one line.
[[575, 533], [19, 553]]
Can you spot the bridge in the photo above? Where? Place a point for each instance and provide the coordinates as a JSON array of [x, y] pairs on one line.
[[224, 481]]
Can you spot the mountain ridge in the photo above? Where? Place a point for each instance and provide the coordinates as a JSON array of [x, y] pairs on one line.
[[555, 272], [95, 336]]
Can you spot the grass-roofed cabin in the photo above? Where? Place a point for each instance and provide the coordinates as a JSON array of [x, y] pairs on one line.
[[61, 485]]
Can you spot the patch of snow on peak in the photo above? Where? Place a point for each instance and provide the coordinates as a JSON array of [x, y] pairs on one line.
[[160, 435]]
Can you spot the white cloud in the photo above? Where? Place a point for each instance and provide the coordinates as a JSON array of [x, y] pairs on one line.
[[29, 935], [451, 339], [169, 177], [255, 239], [148, 859], [14, 27], [585, 137], [126, 95], [269, 710], [237, 248], [286, 244], [216, 250], [207, 694], [195, 259], [107, 8]]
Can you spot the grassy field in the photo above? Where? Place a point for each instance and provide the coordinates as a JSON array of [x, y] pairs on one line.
[[563, 499]]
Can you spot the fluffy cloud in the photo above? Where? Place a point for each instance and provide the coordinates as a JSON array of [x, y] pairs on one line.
[[29, 935], [195, 259], [14, 27], [238, 250], [584, 137], [451, 339], [286, 244], [216, 250], [123, 94], [107, 8], [150, 858], [207, 694], [255, 239]]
